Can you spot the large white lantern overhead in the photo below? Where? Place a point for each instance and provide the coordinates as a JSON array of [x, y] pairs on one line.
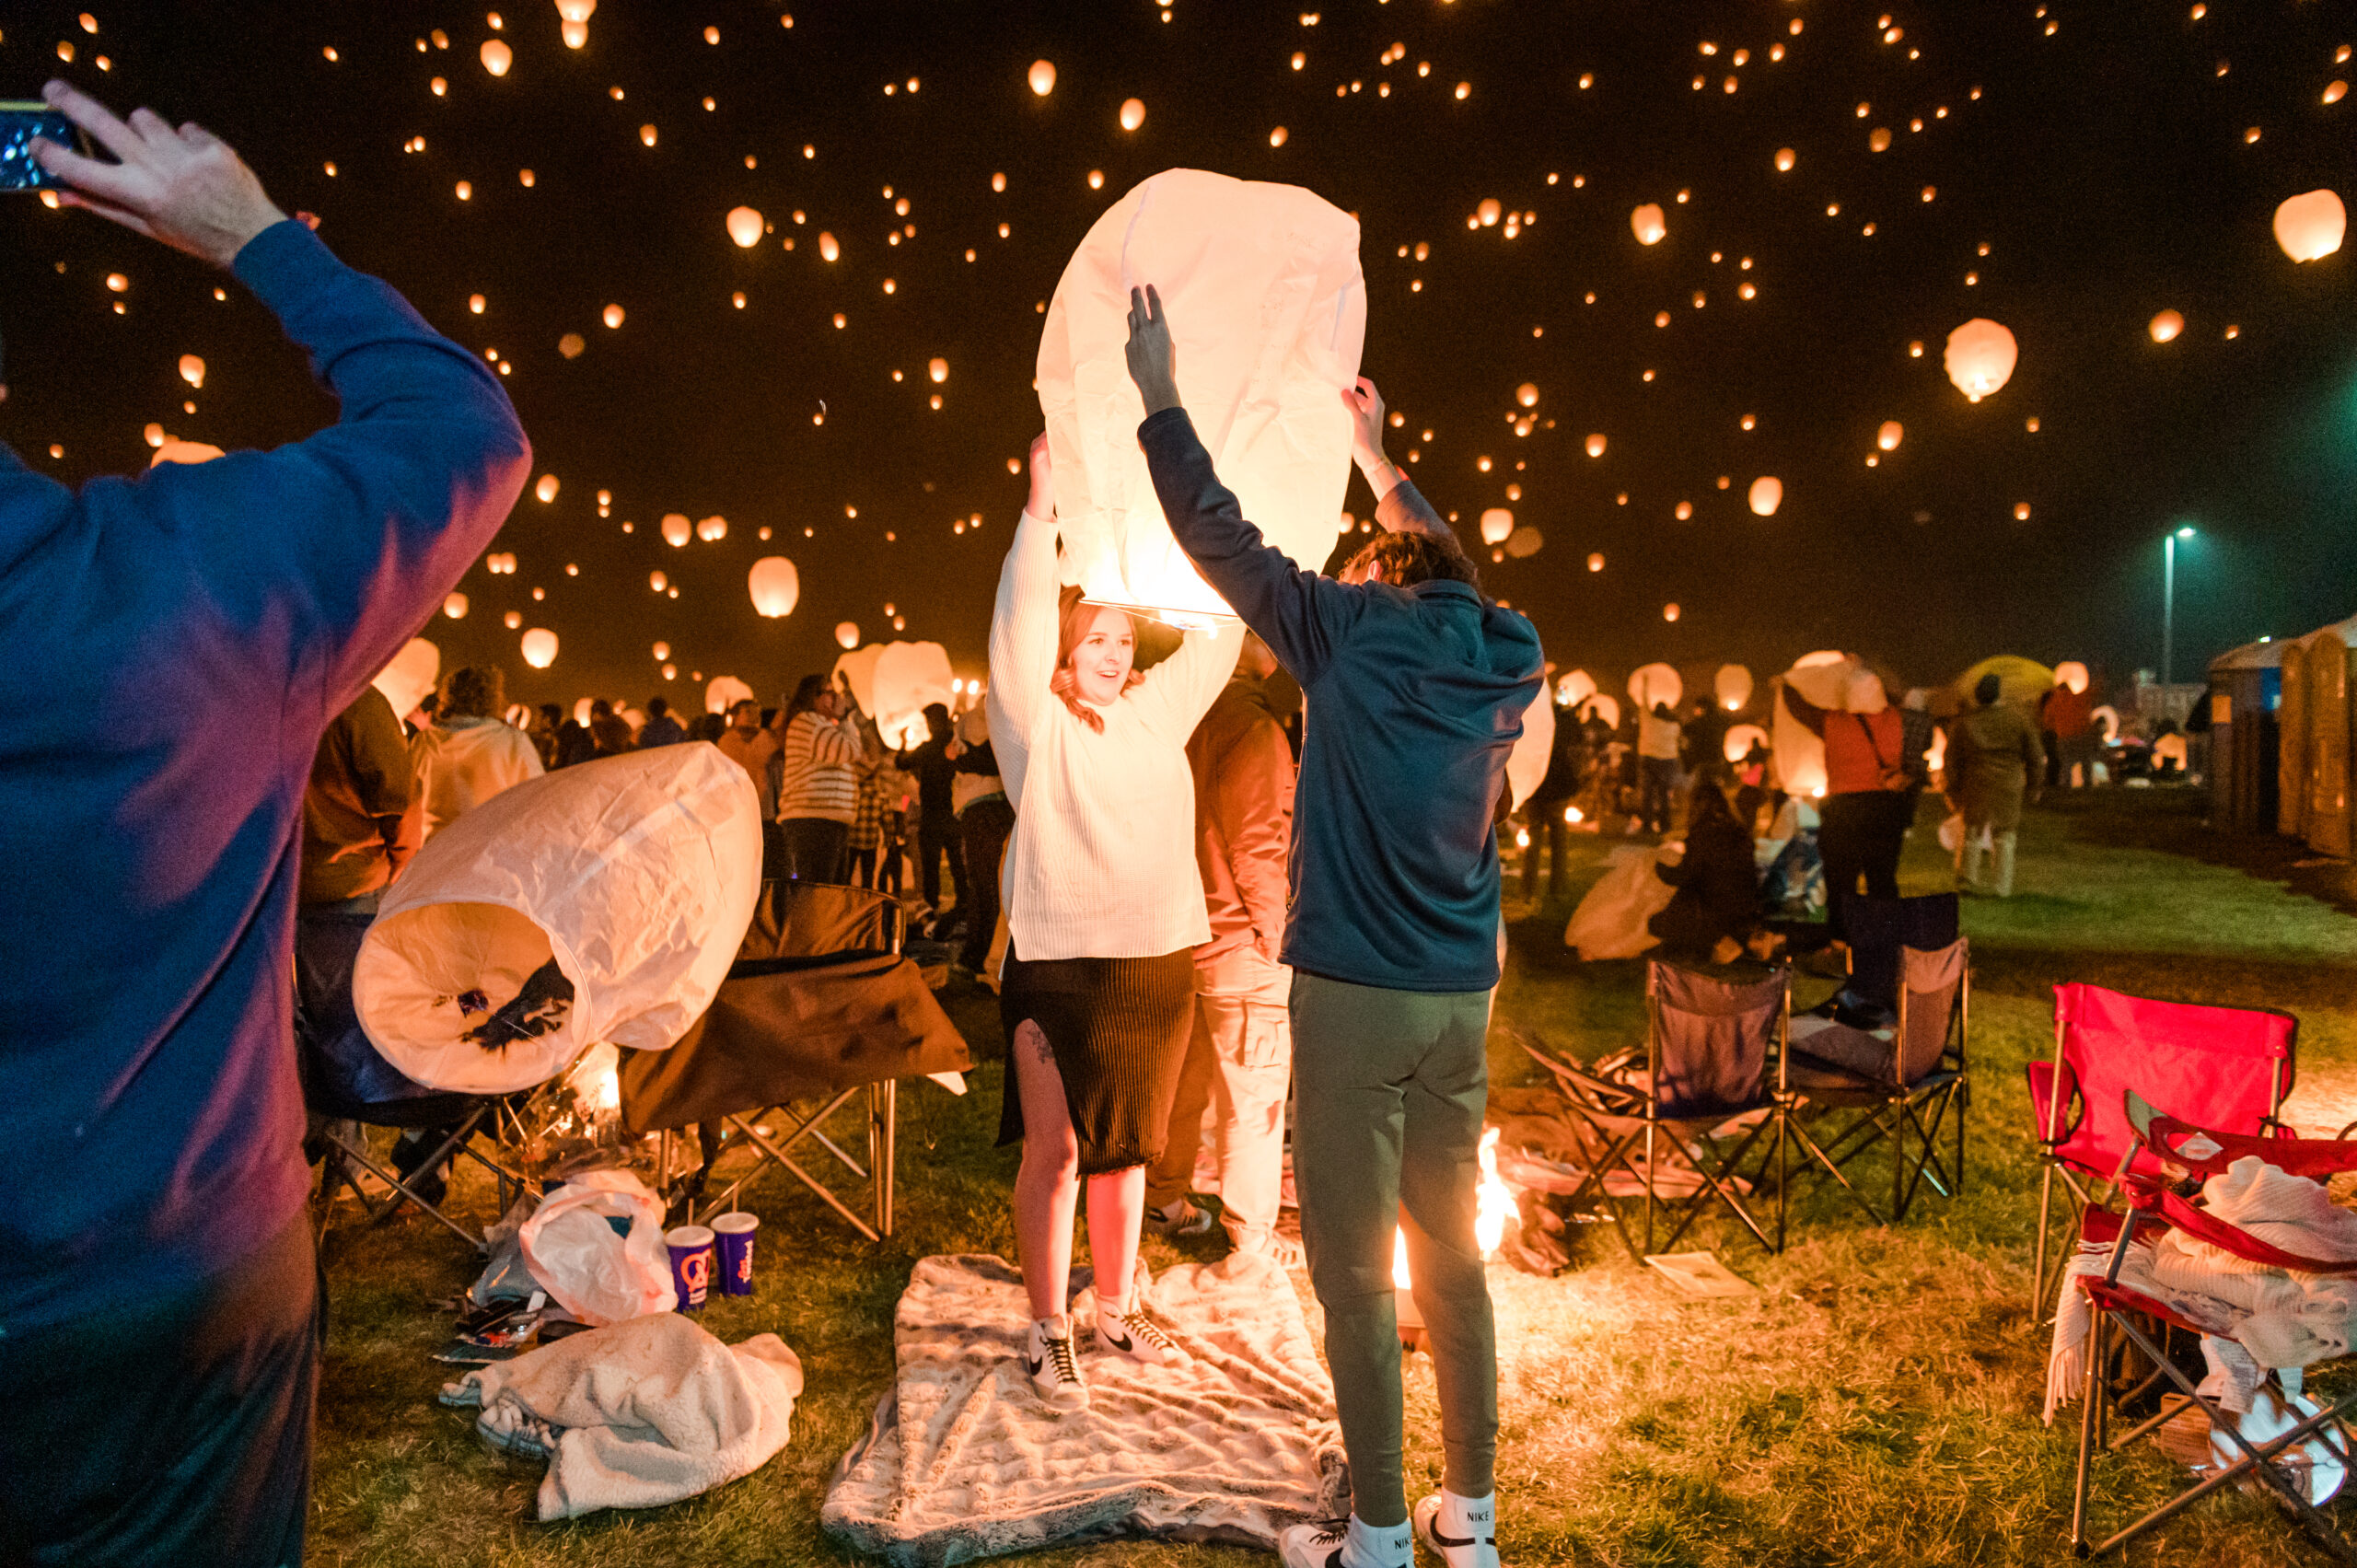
[[1268, 308], [2310, 227], [774, 585], [540, 647], [1980, 355]]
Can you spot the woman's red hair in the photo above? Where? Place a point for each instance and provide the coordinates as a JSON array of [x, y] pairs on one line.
[[1073, 619]]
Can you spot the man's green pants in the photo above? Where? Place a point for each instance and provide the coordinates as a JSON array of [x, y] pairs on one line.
[[1390, 1089]]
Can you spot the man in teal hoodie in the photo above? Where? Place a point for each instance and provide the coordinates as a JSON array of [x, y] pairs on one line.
[[1415, 686]]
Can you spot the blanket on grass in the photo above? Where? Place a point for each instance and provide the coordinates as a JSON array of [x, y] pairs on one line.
[[962, 1460], [643, 1413]]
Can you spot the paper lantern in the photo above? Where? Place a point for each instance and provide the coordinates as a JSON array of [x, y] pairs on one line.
[[183, 452], [1269, 309], [1533, 750], [572, 346], [1575, 688], [455, 606], [1732, 687], [2310, 227], [677, 531], [658, 581], [2105, 718], [497, 56], [1595, 561], [1647, 223], [827, 248], [712, 531], [893, 683], [2019, 680], [1670, 612], [540, 647], [1891, 434], [1784, 160], [1043, 77], [1132, 113], [1767, 494], [1525, 542], [847, 633], [1526, 394], [662, 650], [1652, 683], [2073, 674], [614, 316], [1496, 523], [1980, 358], [1824, 678], [636, 876], [1740, 739], [1602, 705], [410, 676], [2165, 326], [724, 692], [193, 370], [574, 21], [546, 489], [745, 226], [938, 369], [1596, 445], [775, 586]]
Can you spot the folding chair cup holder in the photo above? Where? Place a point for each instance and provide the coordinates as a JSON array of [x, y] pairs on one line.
[[2164, 1160]]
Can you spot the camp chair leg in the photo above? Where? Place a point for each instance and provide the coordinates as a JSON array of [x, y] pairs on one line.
[[399, 1195], [2090, 1391], [883, 1115], [1832, 1167], [1649, 1187], [786, 1160]]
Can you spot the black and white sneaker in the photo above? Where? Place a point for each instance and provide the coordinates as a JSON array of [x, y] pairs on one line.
[[1137, 1336], [1055, 1370], [1313, 1545], [1463, 1537]]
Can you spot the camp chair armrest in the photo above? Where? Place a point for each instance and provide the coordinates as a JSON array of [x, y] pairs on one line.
[[2052, 1085]]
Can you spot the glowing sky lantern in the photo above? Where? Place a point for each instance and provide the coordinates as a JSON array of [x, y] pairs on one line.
[[1980, 358], [658, 581], [724, 693], [662, 650], [1740, 739], [540, 647], [677, 531], [1647, 223], [455, 606], [894, 683], [1784, 160], [1524, 542], [1652, 683], [745, 226], [614, 316], [1595, 561], [193, 370], [2310, 227], [1132, 113], [572, 346], [410, 676], [827, 248], [546, 489], [1266, 333], [1526, 394], [1891, 434], [2165, 326], [574, 18], [497, 56], [1575, 688], [2070, 673], [1670, 612], [1042, 76], [1767, 494], [938, 369], [1732, 686], [1496, 524], [1488, 212], [847, 633], [712, 531], [775, 586], [1596, 445]]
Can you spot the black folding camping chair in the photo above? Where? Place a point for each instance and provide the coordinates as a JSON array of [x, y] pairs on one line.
[[1675, 1135], [821, 1009]]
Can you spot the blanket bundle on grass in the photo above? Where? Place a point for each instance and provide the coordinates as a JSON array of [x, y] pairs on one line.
[[2274, 1318], [637, 1415], [963, 1461]]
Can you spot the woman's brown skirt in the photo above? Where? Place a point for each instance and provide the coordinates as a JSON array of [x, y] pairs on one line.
[[1119, 1030]]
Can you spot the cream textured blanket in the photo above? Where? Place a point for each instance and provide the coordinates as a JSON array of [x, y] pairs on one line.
[[636, 1415], [963, 1461]]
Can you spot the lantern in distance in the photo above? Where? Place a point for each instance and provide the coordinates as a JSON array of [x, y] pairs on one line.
[[1496, 524], [1652, 683], [1767, 494], [540, 647], [1784, 160], [1669, 613], [1596, 445], [1732, 687], [2072, 673], [497, 56], [1132, 113], [1980, 358], [1042, 76], [546, 489], [2165, 326], [193, 370], [847, 633], [614, 316], [1647, 223], [2310, 227], [574, 16], [1740, 739], [455, 607], [1525, 542], [724, 692], [746, 225], [1488, 212], [828, 248], [1526, 394], [774, 585], [662, 650], [677, 531], [1596, 562], [1575, 688], [712, 531], [938, 369], [1891, 434]]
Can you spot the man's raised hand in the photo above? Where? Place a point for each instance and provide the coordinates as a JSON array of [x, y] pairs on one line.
[[185, 187], [1150, 350]]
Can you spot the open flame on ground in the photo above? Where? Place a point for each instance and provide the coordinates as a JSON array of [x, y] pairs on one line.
[[1494, 1206]]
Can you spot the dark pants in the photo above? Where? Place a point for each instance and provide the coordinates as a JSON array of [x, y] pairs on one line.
[[937, 845], [1551, 833], [817, 850], [1860, 834], [1657, 778], [176, 1430], [982, 832]]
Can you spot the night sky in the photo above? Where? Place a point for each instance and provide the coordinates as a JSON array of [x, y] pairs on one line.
[[2102, 152]]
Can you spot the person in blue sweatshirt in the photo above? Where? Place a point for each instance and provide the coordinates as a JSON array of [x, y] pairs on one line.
[[178, 642], [1415, 686]]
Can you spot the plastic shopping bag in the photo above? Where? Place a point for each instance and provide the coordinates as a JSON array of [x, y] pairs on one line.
[[598, 1272], [1610, 922]]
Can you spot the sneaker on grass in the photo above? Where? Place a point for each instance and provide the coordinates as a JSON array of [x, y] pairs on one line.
[[1179, 1217], [1048, 1356]]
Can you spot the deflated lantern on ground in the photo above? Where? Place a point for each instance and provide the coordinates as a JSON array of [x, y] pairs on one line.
[[601, 903], [1268, 310]]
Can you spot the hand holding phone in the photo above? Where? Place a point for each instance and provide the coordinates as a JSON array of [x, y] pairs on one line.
[[183, 186], [19, 123]]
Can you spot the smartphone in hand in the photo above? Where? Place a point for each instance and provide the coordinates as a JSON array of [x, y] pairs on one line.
[[20, 122]]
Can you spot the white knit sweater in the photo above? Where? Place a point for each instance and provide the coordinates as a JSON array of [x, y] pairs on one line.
[[1102, 863]]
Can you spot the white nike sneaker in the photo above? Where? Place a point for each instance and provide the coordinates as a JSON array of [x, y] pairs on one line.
[[1137, 1336], [1325, 1543], [1461, 1532], [1055, 1370]]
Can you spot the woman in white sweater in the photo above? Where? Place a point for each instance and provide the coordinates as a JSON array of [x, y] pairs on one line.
[[1104, 910]]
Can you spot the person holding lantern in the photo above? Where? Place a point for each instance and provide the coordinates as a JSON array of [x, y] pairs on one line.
[[1105, 911], [1415, 686]]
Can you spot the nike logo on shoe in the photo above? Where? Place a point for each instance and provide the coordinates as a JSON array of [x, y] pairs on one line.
[[1453, 1543], [1121, 1343], [1033, 1367]]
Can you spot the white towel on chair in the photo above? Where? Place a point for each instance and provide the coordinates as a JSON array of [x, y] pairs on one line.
[[2294, 1319]]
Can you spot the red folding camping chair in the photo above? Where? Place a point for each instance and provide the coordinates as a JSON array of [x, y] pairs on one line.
[[2224, 1067], [2175, 1154]]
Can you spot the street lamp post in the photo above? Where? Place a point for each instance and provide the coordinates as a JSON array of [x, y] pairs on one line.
[[2169, 598]]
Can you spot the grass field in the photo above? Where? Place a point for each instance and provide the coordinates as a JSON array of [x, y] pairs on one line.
[[1876, 1403]]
